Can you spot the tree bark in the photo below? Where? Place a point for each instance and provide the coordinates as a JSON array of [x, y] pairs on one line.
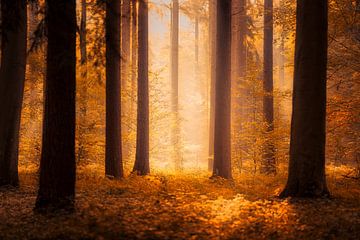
[[307, 145], [222, 145], [175, 81], [57, 165], [113, 153], [212, 43], [142, 166], [83, 51], [268, 165], [133, 54], [12, 77]]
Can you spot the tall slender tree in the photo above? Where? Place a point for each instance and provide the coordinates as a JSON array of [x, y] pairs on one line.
[[57, 165], [239, 74], [212, 47], [113, 153], [133, 53], [307, 145], [222, 145], [125, 70], [142, 166], [12, 77], [242, 33], [83, 32], [268, 162], [83, 85], [175, 80]]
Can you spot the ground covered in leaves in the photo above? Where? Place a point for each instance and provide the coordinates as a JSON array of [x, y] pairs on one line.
[[182, 206]]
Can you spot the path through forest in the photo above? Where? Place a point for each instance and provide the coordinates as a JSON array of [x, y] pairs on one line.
[[185, 206]]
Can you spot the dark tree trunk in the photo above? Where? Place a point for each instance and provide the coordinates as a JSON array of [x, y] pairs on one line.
[[113, 154], [222, 145], [57, 165], [175, 81], [307, 146], [12, 77], [142, 166], [212, 43], [268, 165], [83, 51], [133, 54]]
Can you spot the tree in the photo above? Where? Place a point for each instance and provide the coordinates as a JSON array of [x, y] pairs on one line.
[[240, 32], [82, 34], [222, 145], [125, 67], [212, 43], [240, 92], [133, 53], [57, 165], [268, 162], [307, 145], [83, 99], [113, 153], [12, 77], [175, 80], [142, 166]]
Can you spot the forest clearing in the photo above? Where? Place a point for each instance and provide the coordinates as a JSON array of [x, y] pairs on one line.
[[183, 206]]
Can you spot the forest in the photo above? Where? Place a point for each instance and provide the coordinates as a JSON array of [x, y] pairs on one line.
[[179, 119]]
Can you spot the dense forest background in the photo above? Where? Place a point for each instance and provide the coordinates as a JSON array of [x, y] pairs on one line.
[[194, 87]]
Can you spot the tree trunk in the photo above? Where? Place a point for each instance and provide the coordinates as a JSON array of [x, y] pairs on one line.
[[133, 54], [268, 165], [12, 77], [239, 74], [307, 145], [113, 153], [125, 67], [83, 85], [57, 165], [212, 43], [141, 166], [242, 40], [83, 32], [175, 81], [222, 145]]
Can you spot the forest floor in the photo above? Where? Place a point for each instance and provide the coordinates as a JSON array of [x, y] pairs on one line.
[[182, 206]]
